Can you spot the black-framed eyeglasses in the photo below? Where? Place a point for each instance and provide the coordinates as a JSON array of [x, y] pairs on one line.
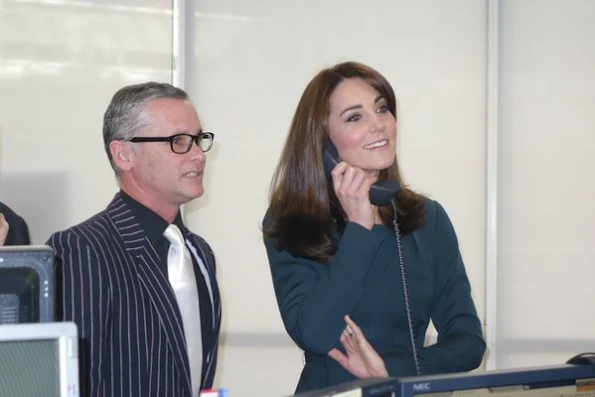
[[182, 143]]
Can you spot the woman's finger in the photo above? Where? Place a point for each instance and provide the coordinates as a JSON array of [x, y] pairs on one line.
[[351, 324], [349, 342], [338, 174], [349, 330], [357, 181], [358, 337], [339, 357], [348, 180]]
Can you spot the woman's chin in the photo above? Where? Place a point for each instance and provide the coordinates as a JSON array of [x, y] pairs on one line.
[[374, 169]]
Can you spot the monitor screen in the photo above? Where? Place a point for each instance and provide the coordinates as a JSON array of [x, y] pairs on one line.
[[19, 295], [39, 360], [20, 360], [26, 284]]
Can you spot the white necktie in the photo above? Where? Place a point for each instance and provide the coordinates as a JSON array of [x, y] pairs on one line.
[[183, 282]]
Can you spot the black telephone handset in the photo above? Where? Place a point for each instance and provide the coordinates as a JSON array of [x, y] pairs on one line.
[[381, 193]]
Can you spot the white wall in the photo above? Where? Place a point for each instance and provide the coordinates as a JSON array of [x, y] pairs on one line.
[[546, 218], [253, 61], [60, 63]]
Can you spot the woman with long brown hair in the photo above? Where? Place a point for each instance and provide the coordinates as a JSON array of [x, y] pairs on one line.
[[388, 269]]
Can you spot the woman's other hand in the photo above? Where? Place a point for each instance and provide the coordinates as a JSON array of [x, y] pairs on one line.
[[360, 358]]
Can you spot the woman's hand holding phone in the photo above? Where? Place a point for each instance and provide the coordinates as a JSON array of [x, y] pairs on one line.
[[352, 187]]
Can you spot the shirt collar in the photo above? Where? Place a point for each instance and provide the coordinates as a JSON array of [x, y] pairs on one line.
[[153, 224]]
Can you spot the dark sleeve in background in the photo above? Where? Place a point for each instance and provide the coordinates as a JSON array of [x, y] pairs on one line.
[[18, 232]]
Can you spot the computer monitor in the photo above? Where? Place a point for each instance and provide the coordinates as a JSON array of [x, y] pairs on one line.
[[26, 284], [39, 360], [567, 380]]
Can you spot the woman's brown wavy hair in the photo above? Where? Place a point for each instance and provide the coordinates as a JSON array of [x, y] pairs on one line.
[[303, 205]]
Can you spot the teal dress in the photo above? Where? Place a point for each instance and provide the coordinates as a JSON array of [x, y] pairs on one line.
[[364, 281]]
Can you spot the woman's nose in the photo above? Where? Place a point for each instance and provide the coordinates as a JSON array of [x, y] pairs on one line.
[[376, 123]]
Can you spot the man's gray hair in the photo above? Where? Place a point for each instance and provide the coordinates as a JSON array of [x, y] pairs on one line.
[[125, 116]]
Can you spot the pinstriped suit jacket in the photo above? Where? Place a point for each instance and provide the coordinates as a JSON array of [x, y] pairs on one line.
[[130, 330]]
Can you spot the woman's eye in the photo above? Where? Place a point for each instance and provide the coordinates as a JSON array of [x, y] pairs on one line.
[[382, 109], [355, 117]]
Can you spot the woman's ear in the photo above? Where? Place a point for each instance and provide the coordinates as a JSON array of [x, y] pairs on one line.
[[123, 154]]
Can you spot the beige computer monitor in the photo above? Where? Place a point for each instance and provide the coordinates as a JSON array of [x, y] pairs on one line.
[[39, 360]]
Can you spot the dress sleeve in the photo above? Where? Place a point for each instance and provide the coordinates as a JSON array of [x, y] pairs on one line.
[[460, 345], [313, 298]]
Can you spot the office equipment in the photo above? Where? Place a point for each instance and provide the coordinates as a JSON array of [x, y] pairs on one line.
[[26, 284], [566, 380], [550, 381], [386, 387], [587, 358], [39, 360]]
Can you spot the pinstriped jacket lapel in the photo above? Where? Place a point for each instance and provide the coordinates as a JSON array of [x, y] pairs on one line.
[[146, 260]]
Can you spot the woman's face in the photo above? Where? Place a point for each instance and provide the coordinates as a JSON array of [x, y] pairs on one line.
[[361, 126]]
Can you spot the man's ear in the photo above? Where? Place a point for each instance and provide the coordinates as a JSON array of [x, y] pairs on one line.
[[123, 154]]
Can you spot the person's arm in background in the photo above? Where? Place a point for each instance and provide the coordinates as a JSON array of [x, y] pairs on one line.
[[85, 301], [4, 227], [460, 346], [21, 236], [17, 232], [313, 300]]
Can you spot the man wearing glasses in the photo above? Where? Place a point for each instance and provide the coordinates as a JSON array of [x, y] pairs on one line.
[[140, 286]]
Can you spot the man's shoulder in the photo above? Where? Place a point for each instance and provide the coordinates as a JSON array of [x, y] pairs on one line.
[[93, 227], [100, 223]]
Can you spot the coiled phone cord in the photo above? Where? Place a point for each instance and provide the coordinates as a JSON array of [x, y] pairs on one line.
[[405, 288]]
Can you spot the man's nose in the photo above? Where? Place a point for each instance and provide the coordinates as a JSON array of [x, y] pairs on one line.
[[196, 151]]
